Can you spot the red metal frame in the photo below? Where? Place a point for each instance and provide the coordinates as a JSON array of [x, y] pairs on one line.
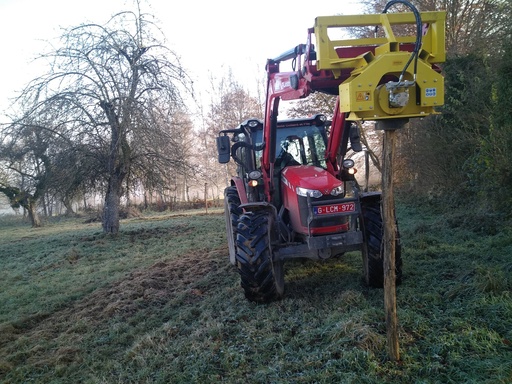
[[296, 85]]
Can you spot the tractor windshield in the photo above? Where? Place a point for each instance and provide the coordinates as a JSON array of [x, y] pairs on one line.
[[303, 145]]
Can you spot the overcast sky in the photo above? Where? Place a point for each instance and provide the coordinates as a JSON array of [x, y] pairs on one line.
[[207, 35]]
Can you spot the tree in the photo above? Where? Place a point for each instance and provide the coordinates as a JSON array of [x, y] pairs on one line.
[[37, 152], [315, 103], [454, 154], [74, 172], [471, 25], [230, 105], [173, 177], [183, 141], [496, 154], [112, 84], [26, 154]]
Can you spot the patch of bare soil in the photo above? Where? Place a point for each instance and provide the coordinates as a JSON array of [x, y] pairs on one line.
[[124, 213], [149, 233], [151, 287]]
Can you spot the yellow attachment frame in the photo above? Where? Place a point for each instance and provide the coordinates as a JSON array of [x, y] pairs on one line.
[[365, 93]]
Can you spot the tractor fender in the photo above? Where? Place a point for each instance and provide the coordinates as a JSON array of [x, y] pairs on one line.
[[259, 206], [367, 197], [238, 182]]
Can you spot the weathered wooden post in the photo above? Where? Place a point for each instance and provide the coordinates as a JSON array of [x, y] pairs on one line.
[[206, 197], [389, 222]]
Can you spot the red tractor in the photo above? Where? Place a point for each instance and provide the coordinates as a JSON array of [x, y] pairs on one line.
[[295, 194]]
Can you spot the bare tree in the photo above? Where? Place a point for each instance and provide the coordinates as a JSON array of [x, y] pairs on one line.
[[26, 153], [230, 105], [41, 161], [471, 25], [169, 179], [109, 83], [316, 103]]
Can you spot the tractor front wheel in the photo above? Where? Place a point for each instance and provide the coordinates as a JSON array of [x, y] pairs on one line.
[[232, 212], [261, 278]]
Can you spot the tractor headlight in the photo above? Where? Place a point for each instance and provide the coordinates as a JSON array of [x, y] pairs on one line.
[[253, 123], [254, 177], [339, 190], [320, 120], [348, 163], [308, 192]]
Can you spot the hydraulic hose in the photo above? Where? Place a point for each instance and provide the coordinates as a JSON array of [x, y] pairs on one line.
[[417, 45]]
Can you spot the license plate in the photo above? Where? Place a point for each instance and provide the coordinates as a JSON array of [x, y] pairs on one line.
[[334, 208]]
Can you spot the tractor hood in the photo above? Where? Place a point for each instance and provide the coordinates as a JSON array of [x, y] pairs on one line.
[[309, 177]]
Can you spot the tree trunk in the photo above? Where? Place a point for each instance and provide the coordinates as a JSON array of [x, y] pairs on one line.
[[51, 206], [18, 198], [127, 192], [45, 200], [32, 214], [110, 217], [115, 166], [69, 206]]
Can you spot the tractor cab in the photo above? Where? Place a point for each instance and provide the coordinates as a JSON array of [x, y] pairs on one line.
[[298, 143]]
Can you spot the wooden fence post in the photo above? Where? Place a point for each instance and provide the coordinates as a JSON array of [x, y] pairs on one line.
[[389, 224], [206, 197]]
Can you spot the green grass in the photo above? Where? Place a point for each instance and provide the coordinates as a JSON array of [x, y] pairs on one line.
[[160, 304]]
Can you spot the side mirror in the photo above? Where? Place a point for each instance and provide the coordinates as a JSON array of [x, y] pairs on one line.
[[355, 138], [223, 149]]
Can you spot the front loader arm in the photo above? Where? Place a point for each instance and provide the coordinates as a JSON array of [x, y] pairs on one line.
[[335, 138], [385, 77], [280, 85]]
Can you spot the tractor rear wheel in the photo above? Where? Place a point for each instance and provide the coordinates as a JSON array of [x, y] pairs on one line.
[[373, 251], [232, 212], [261, 278]]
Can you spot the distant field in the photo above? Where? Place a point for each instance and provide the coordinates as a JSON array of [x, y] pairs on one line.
[[159, 303]]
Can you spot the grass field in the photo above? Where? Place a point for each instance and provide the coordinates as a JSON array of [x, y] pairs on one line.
[[160, 304]]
